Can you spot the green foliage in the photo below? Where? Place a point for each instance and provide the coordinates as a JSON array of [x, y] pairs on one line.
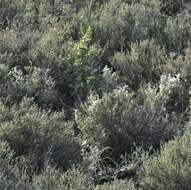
[[110, 80], [74, 180], [121, 23], [121, 119], [117, 185], [28, 81], [51, 178], [171, 7], [87, 66], [120, 70], [177, 32], [38, 135], [179, 65], [142, 64], [10, 176], [170, 169]]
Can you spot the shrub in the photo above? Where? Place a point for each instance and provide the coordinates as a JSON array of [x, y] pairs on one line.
[[53, 179], [121, 23], [117, 185], [75, 180], [7, 13], [127, 62], [170, 169], [31, 82], [10, 176], [121, 119], [177, 32], [38, 135], [109, 80], [75, 65], [142, 64], [171, 7], [179, 65], [49, 179], [53, 43], [14, 47]]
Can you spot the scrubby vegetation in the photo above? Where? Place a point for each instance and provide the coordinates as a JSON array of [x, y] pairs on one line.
[[95, 95]]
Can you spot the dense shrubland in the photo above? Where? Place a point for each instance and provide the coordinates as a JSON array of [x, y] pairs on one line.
[[95, 94]]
